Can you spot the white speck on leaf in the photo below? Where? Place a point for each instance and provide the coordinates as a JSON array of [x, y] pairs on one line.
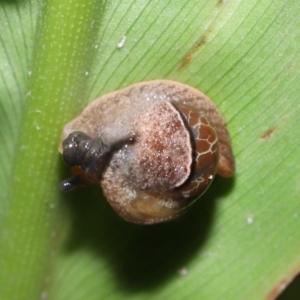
[[37, 111], [122, 42], [52, 205], [23, 147], [37, 126], [44, 295], [250, 219], [182, 271]]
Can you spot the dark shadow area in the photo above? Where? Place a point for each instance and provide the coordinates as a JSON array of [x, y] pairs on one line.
[[142, 257]]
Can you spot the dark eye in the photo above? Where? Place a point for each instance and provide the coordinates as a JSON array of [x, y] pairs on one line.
[[74, 147], [81, 150], [153, 147]]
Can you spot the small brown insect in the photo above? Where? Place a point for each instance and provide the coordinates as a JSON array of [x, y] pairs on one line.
[[153, 147]]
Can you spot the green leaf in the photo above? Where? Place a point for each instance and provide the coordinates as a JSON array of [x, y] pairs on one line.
[[241, 241]]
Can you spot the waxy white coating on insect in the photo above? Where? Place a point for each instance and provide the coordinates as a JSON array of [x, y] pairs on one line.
[[171, 140]]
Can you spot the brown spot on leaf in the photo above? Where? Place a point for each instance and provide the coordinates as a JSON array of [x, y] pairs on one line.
[[199, 44], [203, 39], [268, 133], [222, 2], [272, 130], [281, 285], [186, 60]]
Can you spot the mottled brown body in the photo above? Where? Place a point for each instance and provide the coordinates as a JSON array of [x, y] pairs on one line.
[[156, 145]]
